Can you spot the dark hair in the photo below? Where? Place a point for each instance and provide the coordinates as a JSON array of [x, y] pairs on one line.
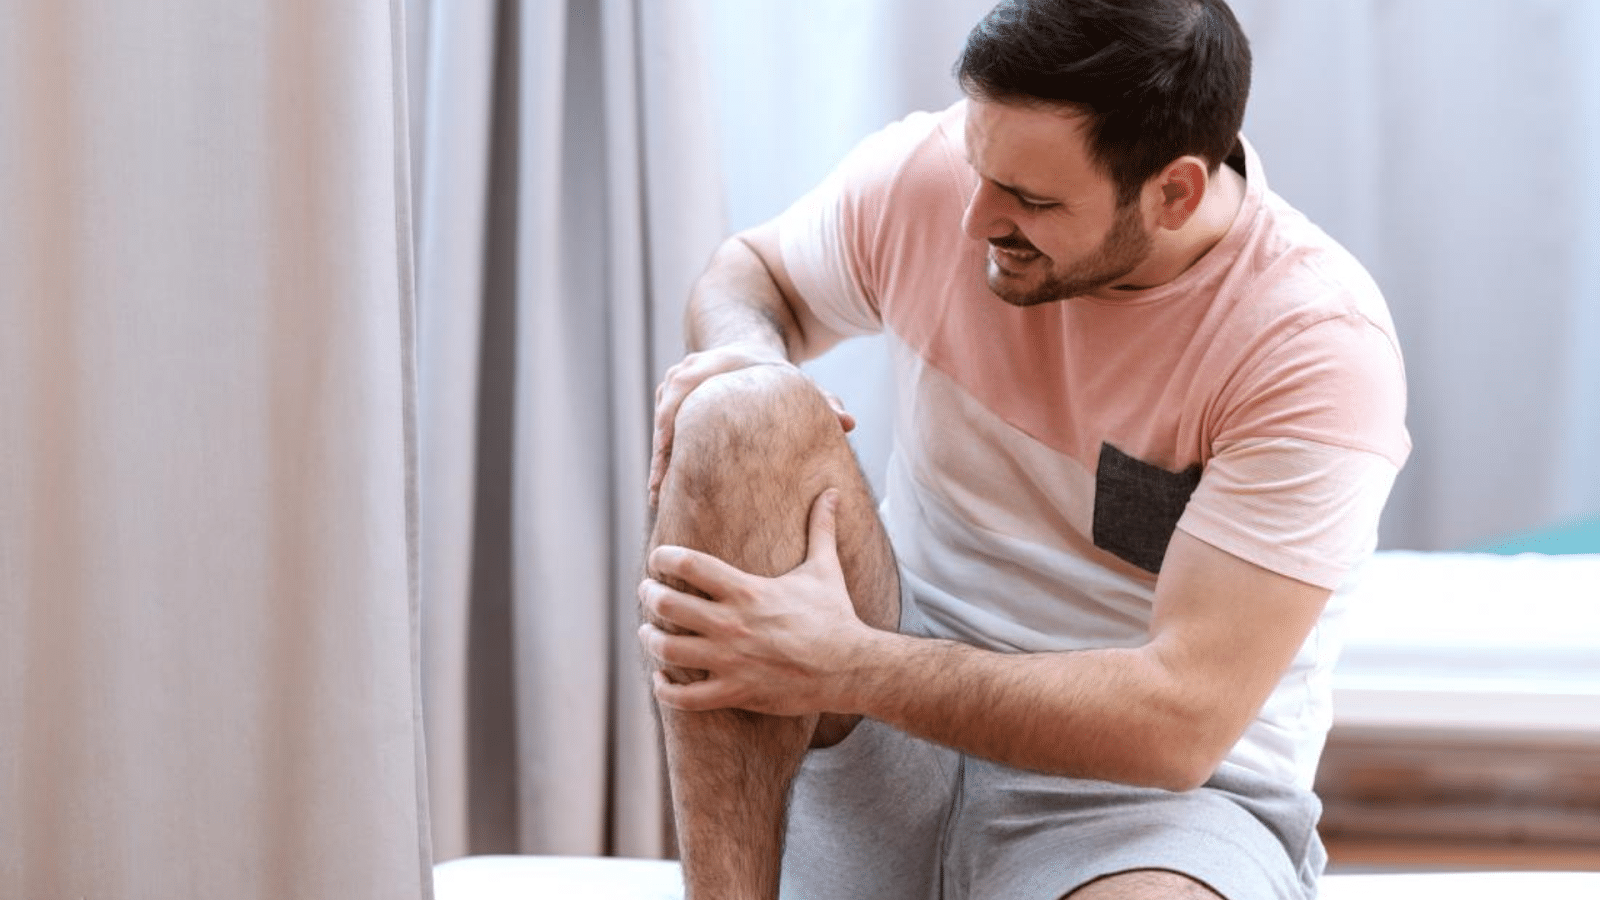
[[1159, 79]]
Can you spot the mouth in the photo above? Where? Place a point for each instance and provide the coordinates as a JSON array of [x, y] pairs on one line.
[[1012, 258]]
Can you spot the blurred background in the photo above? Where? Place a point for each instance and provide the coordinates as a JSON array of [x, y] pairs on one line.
[[328, 334], [1448, 144]]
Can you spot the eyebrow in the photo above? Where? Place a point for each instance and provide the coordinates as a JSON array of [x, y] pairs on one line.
[[1020, 194], [1015, 191]]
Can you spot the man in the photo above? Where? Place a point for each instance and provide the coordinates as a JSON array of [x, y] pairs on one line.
[[1147, 418]]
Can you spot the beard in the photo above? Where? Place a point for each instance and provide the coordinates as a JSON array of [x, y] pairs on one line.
[[1125, 246]]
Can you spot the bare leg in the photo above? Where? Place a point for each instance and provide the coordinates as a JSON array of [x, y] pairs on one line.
[[1144, 884], [752, 450]]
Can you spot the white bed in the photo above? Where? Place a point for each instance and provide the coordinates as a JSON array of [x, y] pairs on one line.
[[1473, 642]]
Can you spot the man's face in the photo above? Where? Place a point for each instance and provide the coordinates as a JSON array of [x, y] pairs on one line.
[[1049, 215]]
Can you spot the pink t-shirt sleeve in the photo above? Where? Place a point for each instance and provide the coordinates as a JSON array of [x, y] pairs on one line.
[[828, 235], [1302, 468]]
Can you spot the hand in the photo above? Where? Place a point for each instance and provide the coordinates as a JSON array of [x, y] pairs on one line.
[[781, 646], [692, 371]]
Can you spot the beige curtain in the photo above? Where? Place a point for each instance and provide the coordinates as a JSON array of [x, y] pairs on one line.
[[207, 528], [567, 197]]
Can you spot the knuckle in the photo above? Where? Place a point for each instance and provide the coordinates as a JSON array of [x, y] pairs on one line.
[[687, 567], [651, 604], [660, 650]]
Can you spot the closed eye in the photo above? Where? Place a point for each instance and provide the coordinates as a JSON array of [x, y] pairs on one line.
[[1032, 206], [1022, 199]]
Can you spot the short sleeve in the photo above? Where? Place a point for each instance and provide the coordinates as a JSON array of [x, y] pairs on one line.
[[1302, 509], [827, 236], [1306, 456]]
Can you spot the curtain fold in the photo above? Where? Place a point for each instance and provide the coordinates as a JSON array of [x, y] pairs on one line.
[[562, 498], [452, 87], [207, 548], [561, 201]]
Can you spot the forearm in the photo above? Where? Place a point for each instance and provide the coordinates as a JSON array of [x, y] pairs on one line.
[[1113, 714], [1165, 714], [737, 300]]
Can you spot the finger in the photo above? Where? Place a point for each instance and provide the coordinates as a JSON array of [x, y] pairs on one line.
[[661, 443], [846, 420], [822, 540], [658, 474], [696, 696], [664, 604], [645, 632], [666, 413], [701, 571], [681, 380], [669, 398], [683, 651]]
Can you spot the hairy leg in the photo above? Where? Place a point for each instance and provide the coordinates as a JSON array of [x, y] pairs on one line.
[[1144, 884], [752, 450]]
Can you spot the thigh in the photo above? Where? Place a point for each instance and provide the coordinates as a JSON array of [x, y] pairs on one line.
[[1144, 884], [867, 818], [1022, 835]]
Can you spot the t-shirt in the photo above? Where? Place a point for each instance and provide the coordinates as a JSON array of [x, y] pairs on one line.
[[1043, 455]]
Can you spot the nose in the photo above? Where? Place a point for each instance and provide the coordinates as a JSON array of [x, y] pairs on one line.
[[984, 217]]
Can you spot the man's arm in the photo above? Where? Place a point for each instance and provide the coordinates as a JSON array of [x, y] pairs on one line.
[[746, 296], [1163, 714], [743, 311]]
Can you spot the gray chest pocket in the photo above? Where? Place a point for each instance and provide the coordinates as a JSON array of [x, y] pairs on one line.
[[1137, 506]]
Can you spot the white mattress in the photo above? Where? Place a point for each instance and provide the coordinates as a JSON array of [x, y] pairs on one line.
[[537, 877], [1473, 641], [557, 878]]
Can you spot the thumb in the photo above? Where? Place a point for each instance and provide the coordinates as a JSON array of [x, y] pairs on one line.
[[846, 420], [822, 543]]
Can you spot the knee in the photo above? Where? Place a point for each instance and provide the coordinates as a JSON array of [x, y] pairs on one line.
[[763, 417]]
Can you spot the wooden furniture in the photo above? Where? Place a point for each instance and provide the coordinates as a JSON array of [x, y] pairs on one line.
[[1467, 715]]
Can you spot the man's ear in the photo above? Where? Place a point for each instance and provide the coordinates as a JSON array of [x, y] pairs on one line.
[[1181, 185]]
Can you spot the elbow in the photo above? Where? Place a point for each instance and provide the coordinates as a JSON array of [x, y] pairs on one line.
[[1190, 732], [1178, 771], [1186, 773], [1188, 759], [1170, 761]]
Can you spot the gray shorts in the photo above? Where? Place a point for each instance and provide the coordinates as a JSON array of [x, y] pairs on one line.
[[892, 817]]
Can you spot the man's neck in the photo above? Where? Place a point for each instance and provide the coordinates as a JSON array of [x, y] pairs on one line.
[[1177, 251]]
